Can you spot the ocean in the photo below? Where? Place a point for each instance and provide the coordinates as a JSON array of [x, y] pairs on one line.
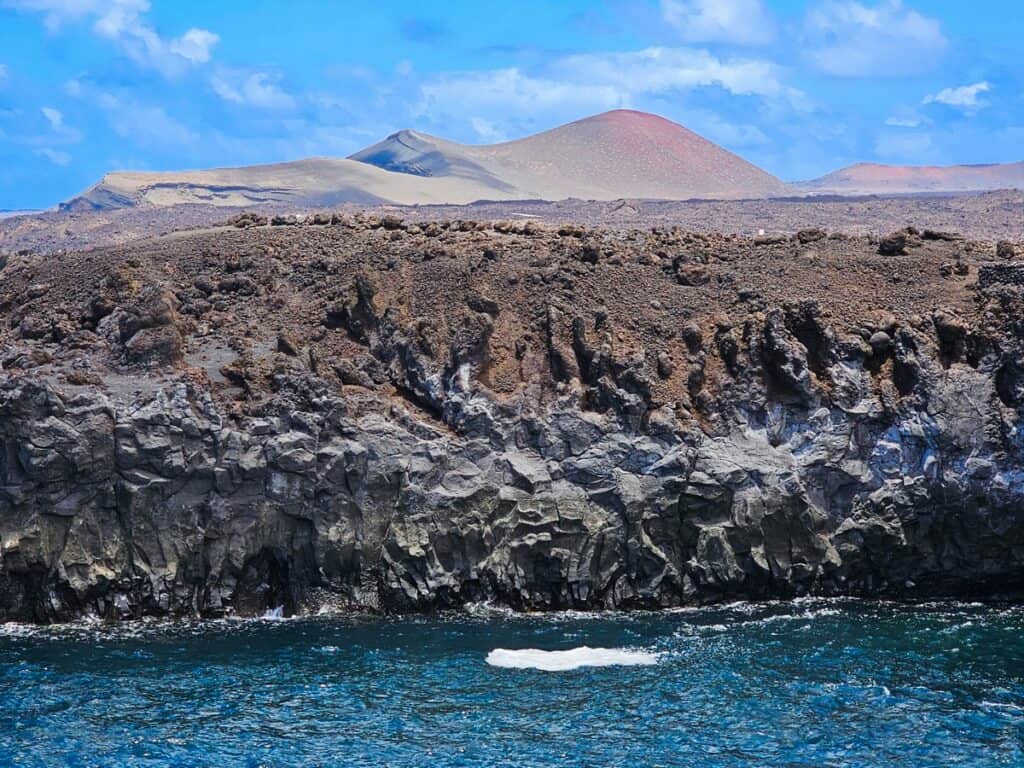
[[808, 683]]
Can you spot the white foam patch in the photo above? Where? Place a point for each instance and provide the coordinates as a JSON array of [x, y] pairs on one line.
[[562, 661], [13, 629]]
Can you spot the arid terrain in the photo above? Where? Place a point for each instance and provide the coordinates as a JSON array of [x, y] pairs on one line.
[[989, 216], [233, 291], [877, 179]]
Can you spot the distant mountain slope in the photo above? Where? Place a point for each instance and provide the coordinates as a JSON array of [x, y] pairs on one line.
[[316, 181], [873, 178], [620, 154]]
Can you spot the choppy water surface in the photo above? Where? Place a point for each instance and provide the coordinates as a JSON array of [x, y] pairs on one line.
[[809, 684]]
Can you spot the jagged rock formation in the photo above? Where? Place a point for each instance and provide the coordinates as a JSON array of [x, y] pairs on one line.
[[373, 415]]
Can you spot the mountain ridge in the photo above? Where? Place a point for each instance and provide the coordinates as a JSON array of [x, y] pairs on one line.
[[613, 155], [882, 178], [620, 154]]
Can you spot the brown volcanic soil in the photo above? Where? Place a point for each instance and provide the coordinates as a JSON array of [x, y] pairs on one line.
[[235, 306], [991, 216]]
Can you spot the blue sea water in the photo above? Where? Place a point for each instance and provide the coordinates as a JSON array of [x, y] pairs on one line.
[[812, 683]]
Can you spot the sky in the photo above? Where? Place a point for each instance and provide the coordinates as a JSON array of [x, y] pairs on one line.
[[799, 87]]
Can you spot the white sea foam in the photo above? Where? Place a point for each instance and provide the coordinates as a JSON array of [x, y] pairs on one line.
[[1002, 705], [562, 661], [274, 614], [13, 629], [819, 613], [488, 610]]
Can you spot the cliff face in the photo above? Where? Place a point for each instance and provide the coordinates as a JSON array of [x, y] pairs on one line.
[[767, 452]]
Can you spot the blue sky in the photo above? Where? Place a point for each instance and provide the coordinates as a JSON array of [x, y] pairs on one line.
[[800, 87]]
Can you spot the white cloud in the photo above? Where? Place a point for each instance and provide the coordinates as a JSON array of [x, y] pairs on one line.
[[851, 39], [144, 124], [593, 82], [898, 121], [964, 97], [257, 89], [744, 22], [54, 117], [195, 45], [662, 70], [487, 131], [573, 86], [905, 117], [906, 148], [60, 132], [56, 157], [510, 90], [124, 23], [711, 125], [296, 138], [138, 123]]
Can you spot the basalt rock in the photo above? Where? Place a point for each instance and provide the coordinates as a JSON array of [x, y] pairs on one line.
[[167, 505], [760, 452], [893, 245]]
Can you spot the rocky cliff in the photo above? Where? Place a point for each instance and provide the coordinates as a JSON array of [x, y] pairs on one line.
[[372, 415]]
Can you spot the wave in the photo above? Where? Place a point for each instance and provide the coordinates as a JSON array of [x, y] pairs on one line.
[[14, 629], [1004, 705], [575, 658], [490, 610]]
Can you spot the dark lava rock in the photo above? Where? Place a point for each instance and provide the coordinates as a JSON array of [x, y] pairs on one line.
[[806, 236], [665, 365], [932, 234], [693, 337], [482, 304], [287, 344], [237, 283], [157, 346], [893, 245], [692, 274], [881, 343]]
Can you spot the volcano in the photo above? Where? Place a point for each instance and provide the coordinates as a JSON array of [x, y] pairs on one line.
[[618, 154]]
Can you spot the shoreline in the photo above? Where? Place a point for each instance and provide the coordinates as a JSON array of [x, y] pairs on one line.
[[489, 613]]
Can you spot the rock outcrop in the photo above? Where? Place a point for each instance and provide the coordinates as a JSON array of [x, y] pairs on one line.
[[166, 506], [795, 458]]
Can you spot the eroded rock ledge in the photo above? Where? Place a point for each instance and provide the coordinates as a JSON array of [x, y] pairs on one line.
[[774, 452]]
